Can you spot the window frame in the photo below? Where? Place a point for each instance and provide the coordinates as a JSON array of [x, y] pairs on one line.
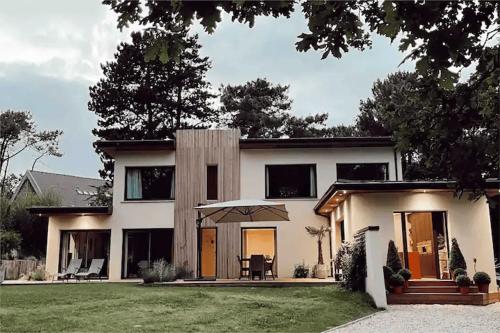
[[266, 176], [216, 182], [363, 163], [148, 167]]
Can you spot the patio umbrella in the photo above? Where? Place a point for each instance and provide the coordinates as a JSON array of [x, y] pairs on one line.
[[244, 211], [238, 211]]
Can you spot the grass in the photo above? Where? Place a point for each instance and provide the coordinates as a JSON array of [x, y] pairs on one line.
[[119, 307]]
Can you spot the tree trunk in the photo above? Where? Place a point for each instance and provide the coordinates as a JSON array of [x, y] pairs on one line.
[[320, 253]]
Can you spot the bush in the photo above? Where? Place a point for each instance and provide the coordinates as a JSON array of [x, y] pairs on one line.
[[9, 240], [39, 274], [405, 273], [164, 270], [456, 257], [396, 280], [301, 271], [354, 268], [459, 271], [393, 260], [343, 250], [387, 272], [150, 276], [481, 278], [463, 281]]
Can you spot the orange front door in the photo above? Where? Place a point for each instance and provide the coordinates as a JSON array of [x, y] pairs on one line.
[[208, 252]]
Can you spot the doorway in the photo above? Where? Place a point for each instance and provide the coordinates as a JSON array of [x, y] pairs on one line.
[[423, 239], [208, 252]]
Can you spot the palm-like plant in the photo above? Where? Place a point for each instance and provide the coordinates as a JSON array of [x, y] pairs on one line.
[[320, 234]]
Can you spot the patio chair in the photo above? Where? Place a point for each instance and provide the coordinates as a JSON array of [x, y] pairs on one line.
[[257, 266], [244, 271], [93, 271], [269, 267], [71, 270]]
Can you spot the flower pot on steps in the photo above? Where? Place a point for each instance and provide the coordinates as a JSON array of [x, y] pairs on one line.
[[397, 290], [464, 290], [483, 287]]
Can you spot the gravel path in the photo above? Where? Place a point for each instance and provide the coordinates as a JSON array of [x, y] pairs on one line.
[[430, 318]]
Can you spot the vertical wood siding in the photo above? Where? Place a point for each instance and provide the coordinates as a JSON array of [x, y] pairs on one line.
[[195, 149]]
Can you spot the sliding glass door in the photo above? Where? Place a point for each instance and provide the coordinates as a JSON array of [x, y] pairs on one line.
[[143, 247]]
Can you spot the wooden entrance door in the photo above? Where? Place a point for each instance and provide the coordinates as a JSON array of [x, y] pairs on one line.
[[208, 252]]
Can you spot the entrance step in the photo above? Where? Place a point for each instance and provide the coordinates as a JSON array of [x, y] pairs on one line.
[[428, 283], [438, 298], [437, 289]]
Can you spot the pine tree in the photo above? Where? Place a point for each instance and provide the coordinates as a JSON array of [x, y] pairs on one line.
[[457, 259], [142, 98], [393, 260]]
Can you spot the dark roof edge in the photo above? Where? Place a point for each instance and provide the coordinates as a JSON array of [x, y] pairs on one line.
[[334, 142], [134, 143], [70, 210], [395, 186]]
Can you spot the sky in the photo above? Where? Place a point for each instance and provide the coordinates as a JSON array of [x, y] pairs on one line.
[[51, 51]]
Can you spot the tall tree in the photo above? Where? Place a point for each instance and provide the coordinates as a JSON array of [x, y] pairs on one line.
[[261, 109], [142, 97], [438, 35], [18, 133]]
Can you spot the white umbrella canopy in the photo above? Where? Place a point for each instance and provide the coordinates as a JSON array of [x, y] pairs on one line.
[[244, 211]]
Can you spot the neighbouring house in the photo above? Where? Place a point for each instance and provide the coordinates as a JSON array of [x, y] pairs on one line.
[[70, 190], [349, 183]]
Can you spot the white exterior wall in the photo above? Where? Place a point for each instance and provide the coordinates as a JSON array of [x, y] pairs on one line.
[[126, 214], [294, 245], [468, 221]]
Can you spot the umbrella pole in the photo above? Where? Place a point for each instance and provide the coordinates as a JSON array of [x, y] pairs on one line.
[[199, 220]]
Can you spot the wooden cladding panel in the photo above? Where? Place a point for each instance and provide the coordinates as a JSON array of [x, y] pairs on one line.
[[195, 149]]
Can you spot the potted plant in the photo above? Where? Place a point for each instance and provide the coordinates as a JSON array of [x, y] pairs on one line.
[[320, 271], [301, 271], [387, 274], [482, 280], [459, 271], [457, 259], [393, 260], [397, 282], [406, 274], [463, 282]]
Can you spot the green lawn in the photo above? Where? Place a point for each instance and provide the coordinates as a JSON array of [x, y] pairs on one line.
[[132, 308]]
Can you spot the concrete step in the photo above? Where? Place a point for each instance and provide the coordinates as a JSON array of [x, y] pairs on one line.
[[427, 283], [437, 289], [438, 298]]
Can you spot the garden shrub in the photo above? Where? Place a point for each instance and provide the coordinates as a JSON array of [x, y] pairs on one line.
[[393, 260], [405, 273], [463, 281], [301, 271], [164, 270], [457, 259], [150, 276], [354, 268], [481, 278], [396, 280], [459, 271], [343, 250], [39, 274], [387, 272]]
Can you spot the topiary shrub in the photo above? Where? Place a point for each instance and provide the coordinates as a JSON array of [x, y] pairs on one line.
[[354, 268], [387, 272], [481, 278], [393, 260], [405, 273], [459, 271], [396, 280], [457, 259], [463, 281]]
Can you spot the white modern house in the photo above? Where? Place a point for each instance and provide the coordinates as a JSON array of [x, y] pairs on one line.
[[347, 183]]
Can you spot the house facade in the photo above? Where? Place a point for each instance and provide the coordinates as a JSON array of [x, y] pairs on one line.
[[157, 183]]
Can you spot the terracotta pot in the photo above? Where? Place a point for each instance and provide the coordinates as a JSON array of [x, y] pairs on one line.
[[406, 284], [321, 272], [397, 289], [483, 288], [464, 290]]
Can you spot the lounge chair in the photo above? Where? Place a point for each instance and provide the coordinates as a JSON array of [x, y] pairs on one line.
[[94, 270], [71, 270]]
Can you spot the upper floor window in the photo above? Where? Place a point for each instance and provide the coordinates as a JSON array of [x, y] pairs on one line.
[[291, 181], [362, 171], [212, 182], [149, 183]]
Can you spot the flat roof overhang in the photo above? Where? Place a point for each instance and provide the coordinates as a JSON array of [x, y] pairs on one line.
[[337, 142], [84, 210], [110, 147], [339, 191]]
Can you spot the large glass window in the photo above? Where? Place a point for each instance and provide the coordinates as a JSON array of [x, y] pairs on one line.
[[362, 171], [149, 183], [212, 181], [291, 181], [143, 247]]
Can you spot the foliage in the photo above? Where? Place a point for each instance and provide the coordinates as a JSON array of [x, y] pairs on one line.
[[387, 272], [393, 260], [9, 240], [91, 307], [150, 276], [319, 233], [32, 229], [481, 278], [396, 280], [405, 273], [142, 98], [343, 250], [8, 185], [18, 132], [39, 274], [439, 36], [354, 267], [162, 271], [463, 281], [457, 259], [459, 271], [103, 196], [300, 271]]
